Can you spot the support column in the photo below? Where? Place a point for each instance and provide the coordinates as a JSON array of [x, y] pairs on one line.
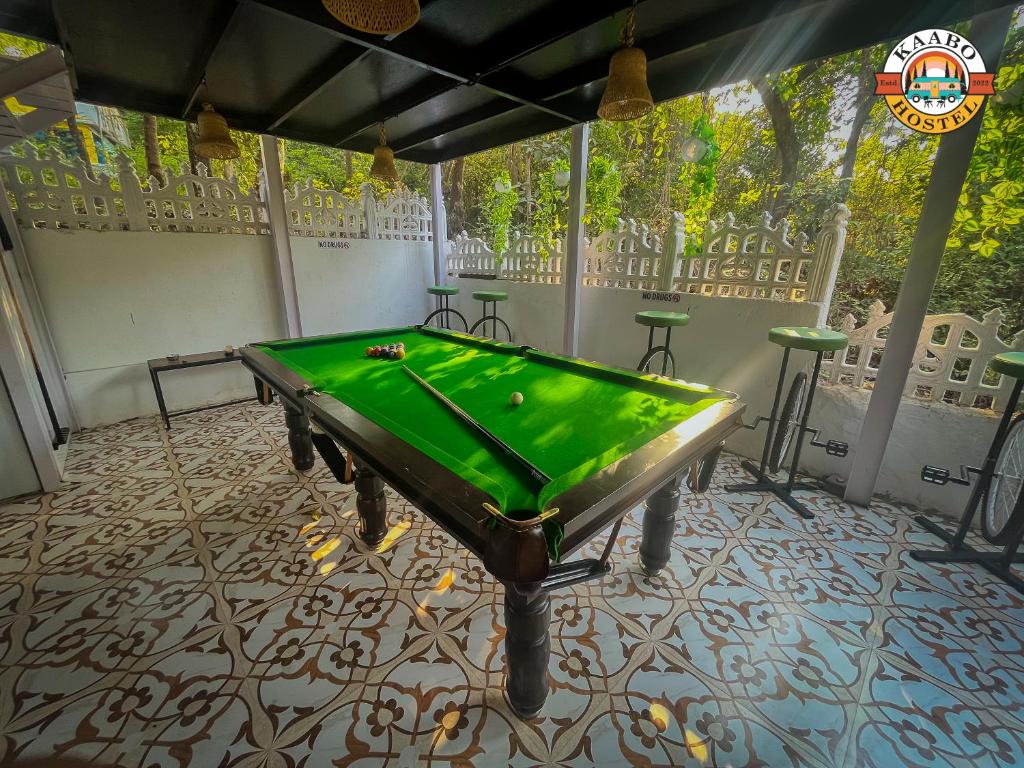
[[572, 274], [273, 197], [988, 31], [439, 224]]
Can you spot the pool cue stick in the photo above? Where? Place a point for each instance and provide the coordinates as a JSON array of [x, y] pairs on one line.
[[479, 428]]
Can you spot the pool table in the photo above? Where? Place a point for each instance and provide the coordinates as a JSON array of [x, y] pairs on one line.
[[603, 439]]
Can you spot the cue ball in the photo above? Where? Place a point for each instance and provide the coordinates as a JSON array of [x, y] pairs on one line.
[[516, 399]]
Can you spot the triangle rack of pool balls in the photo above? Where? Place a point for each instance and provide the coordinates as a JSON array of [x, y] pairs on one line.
[[388, 351]]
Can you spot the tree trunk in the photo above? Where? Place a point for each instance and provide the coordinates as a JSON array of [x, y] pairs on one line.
[[348, 164], [865, 101], [787, 146], [453, 195], [152, 145], [191, 137], [79, 140]]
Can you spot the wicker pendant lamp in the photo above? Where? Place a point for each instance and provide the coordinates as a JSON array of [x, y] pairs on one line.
[[384, 159], [626, 95], [215, 142], [378, 17]]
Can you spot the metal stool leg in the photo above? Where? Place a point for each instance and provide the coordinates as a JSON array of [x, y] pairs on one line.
[[762, 481], [664, 359]]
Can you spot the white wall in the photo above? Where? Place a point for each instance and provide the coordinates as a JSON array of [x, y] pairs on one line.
[[369, 284], [116, 299]]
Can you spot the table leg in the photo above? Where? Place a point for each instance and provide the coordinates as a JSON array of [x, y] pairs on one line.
[[659, 525], [159, 392], [299, 438], [371, 503], [527, 646]]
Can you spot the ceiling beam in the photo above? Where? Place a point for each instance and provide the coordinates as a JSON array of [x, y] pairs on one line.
[[315, 83], [424, 90], [224, 18], [420, 50], [705, 30], [452, 124]]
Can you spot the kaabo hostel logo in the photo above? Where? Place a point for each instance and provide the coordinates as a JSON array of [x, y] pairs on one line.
[[934, 81]]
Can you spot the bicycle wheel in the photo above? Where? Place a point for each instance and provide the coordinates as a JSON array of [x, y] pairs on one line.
[[789, 421], [1003, 507]]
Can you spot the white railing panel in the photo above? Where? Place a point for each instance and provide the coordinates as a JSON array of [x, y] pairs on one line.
[[198, 202], [951, 360], [321, 213]]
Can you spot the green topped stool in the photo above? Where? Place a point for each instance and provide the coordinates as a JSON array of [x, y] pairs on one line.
[[491, 297], [442, 316], [657, 318], [792, 422], [999, 491]]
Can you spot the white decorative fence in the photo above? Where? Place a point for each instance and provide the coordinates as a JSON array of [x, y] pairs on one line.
[[758, 261], [950, 362], [49, 193]]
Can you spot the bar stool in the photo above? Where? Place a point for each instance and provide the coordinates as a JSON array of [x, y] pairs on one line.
[[444, 312], [793, 421], [492, 297], [998, 492], [656, 318]]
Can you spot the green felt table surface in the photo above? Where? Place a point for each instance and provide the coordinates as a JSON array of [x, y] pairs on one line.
[[576, 418]]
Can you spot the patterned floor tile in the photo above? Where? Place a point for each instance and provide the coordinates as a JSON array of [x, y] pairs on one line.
[[189, 599]]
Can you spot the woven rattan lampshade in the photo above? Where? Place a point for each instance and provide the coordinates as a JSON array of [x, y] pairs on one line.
[[384, 159], [215, 142], [378, 17], [626, 96]]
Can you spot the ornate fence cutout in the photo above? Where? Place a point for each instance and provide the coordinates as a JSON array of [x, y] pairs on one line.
[[950, 362], [758, 262], [323, 213], [46, 192]]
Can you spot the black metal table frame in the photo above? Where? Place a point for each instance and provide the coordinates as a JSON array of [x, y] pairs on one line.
[[514, 551], [160, 365]]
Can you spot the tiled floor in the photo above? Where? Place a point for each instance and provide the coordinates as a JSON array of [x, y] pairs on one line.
[[175, 605]]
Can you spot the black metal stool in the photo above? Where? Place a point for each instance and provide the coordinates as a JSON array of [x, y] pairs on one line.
[[782, 429], [444, 311], [492, 297], [1000, 490], [655, 318]]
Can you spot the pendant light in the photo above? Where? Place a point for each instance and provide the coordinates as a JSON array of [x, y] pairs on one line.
[[626, 95], [378, 17], [215, 142], [383, 159]]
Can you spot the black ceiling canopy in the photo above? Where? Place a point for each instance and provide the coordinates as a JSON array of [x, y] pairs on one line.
[[472, 74]]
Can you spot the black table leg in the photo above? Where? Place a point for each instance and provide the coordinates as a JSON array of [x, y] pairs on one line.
[[659, 525], [299, 438], [159, 392], [527, 646], [371, 503]]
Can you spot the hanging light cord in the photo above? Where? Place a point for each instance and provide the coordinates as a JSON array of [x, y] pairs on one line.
[[382, 136], [629, 27]]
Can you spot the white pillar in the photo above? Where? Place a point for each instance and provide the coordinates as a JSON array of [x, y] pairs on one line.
[[273, 197], [988, 31], [572, 273], [439, 224]]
